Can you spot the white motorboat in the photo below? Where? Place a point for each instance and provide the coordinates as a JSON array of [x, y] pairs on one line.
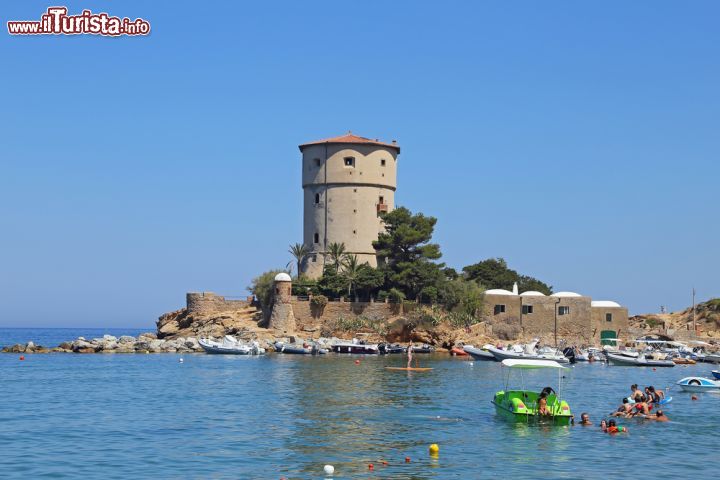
[[299, 349], [479, 353], [230, 346], [526, 352], [639, 361], [356, 346]]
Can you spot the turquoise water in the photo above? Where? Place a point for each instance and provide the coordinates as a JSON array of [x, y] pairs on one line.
[[52, 337], [150, 416]]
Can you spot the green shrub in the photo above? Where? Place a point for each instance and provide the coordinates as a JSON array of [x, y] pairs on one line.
[[319, 301], [395, 295]]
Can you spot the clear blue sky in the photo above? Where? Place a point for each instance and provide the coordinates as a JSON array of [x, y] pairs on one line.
[[579, 140]]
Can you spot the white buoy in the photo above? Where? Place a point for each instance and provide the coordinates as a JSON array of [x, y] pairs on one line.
[[181, 360], [329, 469], [471, 364]]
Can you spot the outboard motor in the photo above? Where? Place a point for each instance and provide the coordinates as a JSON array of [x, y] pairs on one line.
[[569, 353]]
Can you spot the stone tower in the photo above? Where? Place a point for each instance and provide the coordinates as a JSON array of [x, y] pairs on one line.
[[347, 182], [282, 317]]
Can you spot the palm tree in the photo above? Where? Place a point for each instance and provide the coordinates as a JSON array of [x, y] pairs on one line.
[[336, 251], [299, 251], [351, 269]]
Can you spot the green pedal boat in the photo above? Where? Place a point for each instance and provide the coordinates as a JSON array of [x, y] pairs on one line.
[[523, 405]]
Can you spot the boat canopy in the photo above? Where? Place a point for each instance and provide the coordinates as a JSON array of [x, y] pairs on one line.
[[518, 363]]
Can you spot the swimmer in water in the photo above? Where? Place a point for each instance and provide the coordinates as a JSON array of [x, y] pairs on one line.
[[658, 417], [585, 420], [603, 425], [409, 355], [614, 428], [623, 410]]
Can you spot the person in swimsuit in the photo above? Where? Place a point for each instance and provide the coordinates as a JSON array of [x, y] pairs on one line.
[[585, 420], [658, 417], [636, 392], [409, 355], [542, 404], [613, 428], [623, 410]]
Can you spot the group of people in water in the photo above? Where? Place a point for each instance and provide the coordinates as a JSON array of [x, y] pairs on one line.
[[638, 405]]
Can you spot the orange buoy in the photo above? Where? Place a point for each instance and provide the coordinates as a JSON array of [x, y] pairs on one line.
[[384, 462], [357, 362], [371, 466], [693, 397], [407, 459], [22, 357]]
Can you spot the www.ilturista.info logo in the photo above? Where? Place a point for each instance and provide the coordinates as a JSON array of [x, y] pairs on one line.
[[57, 22]]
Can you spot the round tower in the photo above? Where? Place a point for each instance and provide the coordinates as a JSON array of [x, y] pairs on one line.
[[282, 316], [348, 181]]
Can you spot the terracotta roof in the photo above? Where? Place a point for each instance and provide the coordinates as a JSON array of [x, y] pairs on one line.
[[350, 138]]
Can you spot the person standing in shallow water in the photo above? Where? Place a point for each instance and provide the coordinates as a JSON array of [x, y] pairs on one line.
[[409, 355]]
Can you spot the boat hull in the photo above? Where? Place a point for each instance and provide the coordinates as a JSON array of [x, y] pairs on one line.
[[501, 355], [623, 361], [716, 374], [479, 354], [356, 348]]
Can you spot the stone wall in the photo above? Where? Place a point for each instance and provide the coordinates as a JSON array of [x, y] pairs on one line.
[[618, 321], [307, 315], [207, 302]]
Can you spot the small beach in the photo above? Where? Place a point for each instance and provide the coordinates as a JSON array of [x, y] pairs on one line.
[[215, 416]]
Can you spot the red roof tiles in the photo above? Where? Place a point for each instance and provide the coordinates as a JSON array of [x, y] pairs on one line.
[[350, 138]]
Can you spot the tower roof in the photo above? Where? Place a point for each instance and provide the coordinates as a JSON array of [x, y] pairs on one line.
[[352, 139]]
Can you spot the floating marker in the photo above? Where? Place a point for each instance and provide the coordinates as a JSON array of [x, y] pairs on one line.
[[471, 364], [407, 459], [371, 466], [693, 397], [329, 469], [181, 360], [434, 449], [22, 357], [357, 362]]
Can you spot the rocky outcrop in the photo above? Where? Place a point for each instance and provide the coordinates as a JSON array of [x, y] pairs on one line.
[[144, 343], [706, 320], [181, 323]]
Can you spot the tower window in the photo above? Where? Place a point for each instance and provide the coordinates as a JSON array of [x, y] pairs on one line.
[[317, 162], [381, 200], [563, 310], [608, 317], [317, 198], [317, 237], [349, 161], [382, 162], [527, 309]]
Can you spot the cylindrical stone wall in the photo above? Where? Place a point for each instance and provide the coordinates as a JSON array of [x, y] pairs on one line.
[[345, 186]]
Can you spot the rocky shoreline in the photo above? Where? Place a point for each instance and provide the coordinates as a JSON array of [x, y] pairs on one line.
[[144, 343]]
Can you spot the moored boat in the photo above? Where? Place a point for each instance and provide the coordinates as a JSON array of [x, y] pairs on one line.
[[425, 348], [356, 346], [479, 353], [459, 352], [683, 361], [716, 374], [639, 361], [388, 348], [230, 346], [523, 405], [297, 349]]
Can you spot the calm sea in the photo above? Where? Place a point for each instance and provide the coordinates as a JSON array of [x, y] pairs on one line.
[[150, 416]]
